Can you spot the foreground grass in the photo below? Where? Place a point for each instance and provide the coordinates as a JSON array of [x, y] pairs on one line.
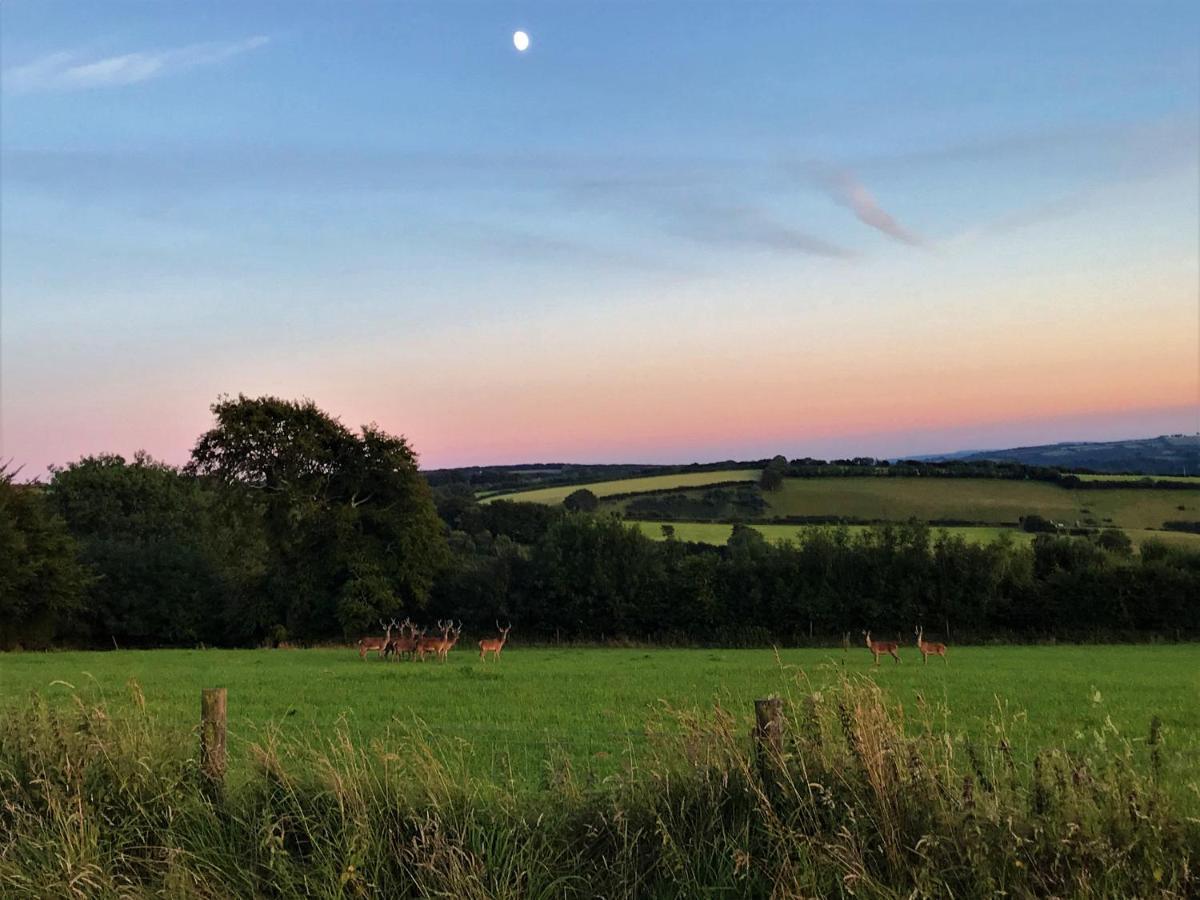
[[858, 798], [509, 721], [552, 495]]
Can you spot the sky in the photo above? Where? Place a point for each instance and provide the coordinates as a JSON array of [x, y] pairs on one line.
[[664, 233]]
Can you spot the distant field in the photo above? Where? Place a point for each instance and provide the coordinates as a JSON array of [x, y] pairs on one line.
[[978, 500], [630, 485], [508, 720], [996, 502], [718, 533], [1192, 478]]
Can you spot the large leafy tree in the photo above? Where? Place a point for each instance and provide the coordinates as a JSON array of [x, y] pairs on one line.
[[351, 523], [594, 574], [177, 560], [42, 582]]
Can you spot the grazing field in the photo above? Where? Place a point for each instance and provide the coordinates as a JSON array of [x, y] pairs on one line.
[[1031, 771], [718, 533], [978, 500], [508, 720], [994, 501], [630, 485], [1195, 479]]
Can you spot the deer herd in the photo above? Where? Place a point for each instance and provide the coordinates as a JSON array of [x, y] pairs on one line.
[[891, 648], [402, 640]]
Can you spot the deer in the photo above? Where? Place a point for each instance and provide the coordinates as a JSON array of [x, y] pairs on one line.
[[452, 636], [878, 648], [406, 642], [929, 648], [366, 644], [494, 645], [432, 644]]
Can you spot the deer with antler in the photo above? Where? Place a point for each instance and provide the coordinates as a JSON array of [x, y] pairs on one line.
[[433, 643], [367, 644], [878, 648], [406, 641], [453, 633], [494, 645], [929, 648]]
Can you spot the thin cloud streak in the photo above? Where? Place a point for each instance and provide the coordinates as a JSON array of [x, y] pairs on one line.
[[687, 199], [845, 188], [750, 226], [64, 71]]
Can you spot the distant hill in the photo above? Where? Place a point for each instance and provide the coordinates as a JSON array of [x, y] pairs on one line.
[[1176, 454]]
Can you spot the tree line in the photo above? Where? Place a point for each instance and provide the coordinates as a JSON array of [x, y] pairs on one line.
[[288, 526]]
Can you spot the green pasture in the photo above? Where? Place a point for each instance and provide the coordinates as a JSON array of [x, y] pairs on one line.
[[508, 721], [718, 533], [996, 502], [630, 485], [978, 500], [1195, 479]]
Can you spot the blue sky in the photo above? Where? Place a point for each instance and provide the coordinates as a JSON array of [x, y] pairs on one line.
[[612, 246]]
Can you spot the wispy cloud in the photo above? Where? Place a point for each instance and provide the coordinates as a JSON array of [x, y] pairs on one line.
[[751, 226], [845, 188], [69, 72]]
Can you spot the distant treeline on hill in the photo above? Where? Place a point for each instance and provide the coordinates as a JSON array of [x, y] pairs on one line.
[[288, 526], [513, 479], [1012, 471], [507, 479]]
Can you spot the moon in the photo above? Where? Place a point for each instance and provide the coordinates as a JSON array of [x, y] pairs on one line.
[[521, 41]]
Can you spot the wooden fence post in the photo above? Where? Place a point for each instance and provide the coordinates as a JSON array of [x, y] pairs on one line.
[[768, 731], [212, 736]]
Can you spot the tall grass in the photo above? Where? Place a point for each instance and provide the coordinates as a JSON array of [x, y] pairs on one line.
[[858, 802]]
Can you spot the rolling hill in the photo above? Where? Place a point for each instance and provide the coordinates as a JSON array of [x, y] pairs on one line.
[[1176, 454]]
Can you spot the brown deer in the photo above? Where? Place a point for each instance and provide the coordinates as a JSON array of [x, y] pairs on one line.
[[929, 648], [367, 644], [433, 643], [494, 645], [452, 636], [406, 642], [878, 648]]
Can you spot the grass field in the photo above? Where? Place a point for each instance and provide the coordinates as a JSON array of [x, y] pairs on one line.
[[718, 533], [1192, 478], [630, 485], [978, 500], [508, 720], [995, 501], [1011, 771]]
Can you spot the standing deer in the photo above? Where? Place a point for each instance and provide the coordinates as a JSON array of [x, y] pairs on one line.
[[433, 644], [367, 644], [406, 642], [494, 645], [878, 648], [452, 635], [931, 648]]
